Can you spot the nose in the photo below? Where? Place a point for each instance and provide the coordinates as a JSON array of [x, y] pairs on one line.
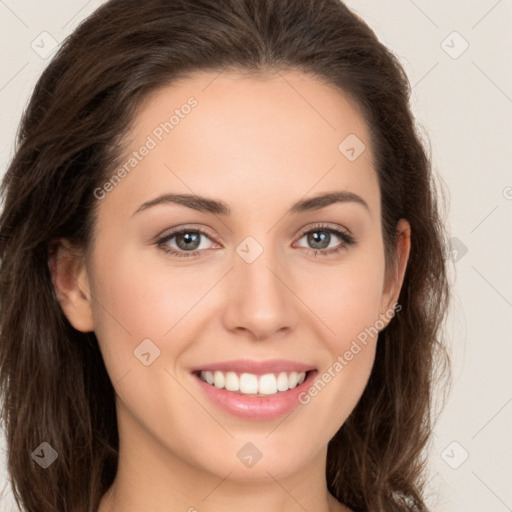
[[260, 297]]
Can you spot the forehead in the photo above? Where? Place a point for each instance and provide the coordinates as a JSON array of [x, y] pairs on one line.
[[259, 138]]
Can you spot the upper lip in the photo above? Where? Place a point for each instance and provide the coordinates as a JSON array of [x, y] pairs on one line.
[[255, 367]]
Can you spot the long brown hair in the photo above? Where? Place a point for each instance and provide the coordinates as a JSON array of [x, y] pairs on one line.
[[53, 381]]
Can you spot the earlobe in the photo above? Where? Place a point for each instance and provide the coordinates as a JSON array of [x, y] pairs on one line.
[[396, 277], [71, 284]]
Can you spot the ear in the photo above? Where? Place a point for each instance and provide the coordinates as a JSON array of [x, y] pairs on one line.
[[71, 284], [395, 277]]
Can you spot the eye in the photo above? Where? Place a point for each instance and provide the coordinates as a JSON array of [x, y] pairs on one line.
[[183, 241], [322, 242], [190, 242]]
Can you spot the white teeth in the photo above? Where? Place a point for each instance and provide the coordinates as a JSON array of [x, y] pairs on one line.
[[218, 379], [250, 384], [232, 382], [282, 382], [268, 384]]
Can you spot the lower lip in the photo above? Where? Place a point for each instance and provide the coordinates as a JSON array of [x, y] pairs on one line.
[[256, 407]]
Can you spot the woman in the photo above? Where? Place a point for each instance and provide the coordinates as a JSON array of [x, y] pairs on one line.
[[222, 279]]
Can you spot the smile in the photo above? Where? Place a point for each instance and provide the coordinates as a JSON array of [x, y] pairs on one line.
[[256, 390], [251, 384]]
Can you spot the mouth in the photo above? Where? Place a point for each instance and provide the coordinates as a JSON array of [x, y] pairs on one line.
[[254, 390], [251, 384]]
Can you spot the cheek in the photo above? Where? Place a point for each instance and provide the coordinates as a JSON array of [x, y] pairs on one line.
[[348, 301], [347, 298], [136, 297], [350, 310]]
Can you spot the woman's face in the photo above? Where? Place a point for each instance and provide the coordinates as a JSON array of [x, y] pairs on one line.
[[240, 293]]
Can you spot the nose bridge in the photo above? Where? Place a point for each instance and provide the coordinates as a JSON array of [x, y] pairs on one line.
[[260, 301]]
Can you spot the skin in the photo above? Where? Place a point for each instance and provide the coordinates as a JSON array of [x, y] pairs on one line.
[[259, 144]]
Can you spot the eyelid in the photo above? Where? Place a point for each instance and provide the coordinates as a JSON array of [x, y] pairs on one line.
[[200, 228], [327, 226], [206, 230]]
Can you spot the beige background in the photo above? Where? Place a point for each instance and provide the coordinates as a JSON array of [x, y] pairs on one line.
[[462, 97]]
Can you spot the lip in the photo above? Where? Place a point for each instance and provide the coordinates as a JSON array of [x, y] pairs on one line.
[[255, 367], [251, 406]]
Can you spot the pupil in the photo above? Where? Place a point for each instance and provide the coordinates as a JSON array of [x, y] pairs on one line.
[[319, 237], [189, 240]]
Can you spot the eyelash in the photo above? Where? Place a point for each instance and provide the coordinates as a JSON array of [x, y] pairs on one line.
[[347, 240]]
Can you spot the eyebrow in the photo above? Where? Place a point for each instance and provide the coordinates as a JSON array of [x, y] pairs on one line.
[[217, 207]]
